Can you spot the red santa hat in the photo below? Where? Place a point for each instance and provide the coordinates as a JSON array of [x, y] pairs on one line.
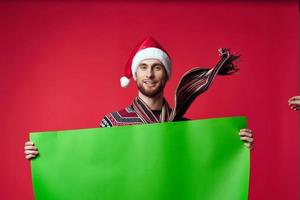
[[146, 49]]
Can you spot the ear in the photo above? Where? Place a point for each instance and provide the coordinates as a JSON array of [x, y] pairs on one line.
[[166, 77], [134, 75]]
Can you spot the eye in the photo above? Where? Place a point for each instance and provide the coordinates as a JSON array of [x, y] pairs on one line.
[[143, 67], [158, 67]]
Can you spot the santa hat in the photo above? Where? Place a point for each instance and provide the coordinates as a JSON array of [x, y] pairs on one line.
[[147, 49]]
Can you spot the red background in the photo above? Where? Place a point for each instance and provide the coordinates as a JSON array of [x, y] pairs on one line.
[[60, 64]]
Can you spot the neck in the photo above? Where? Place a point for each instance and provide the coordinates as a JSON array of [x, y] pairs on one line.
[[154, 103]]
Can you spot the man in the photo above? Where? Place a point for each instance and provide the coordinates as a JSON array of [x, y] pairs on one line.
[[150, 67]]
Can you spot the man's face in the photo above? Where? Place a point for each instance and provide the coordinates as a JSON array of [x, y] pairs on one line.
[[151, 77]]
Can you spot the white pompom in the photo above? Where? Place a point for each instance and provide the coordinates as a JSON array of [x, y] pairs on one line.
[[124, 82]]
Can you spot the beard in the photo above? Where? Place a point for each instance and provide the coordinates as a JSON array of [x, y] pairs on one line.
[[149, 92]]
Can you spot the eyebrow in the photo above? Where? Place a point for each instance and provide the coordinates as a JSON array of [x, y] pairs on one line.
[[157, 64], [142, 64], [152, 65]]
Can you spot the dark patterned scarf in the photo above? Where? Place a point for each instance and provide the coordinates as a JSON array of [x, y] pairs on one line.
[[145, 113]]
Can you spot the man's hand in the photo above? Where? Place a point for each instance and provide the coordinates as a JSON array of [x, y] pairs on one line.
[[247, 137], [30, 150], [294, 103]]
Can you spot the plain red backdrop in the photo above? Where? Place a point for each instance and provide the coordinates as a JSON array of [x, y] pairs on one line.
[[60, 64]]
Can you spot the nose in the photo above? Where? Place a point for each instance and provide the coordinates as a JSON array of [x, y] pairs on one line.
[[149, 73]]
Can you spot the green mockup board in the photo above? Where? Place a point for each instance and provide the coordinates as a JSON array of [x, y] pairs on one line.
[[189, 160]]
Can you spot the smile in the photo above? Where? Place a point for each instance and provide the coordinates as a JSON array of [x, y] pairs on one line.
[[149, 83]]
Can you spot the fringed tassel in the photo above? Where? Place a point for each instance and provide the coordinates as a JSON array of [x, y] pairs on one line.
[[229, 66]]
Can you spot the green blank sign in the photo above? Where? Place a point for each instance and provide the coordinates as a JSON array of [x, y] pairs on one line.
[[202, 159]]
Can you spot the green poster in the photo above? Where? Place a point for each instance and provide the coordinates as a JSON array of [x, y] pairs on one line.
[[202, 159]]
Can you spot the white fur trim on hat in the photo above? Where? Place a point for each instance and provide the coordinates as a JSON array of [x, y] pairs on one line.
[[124, 81], [151, 53]]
